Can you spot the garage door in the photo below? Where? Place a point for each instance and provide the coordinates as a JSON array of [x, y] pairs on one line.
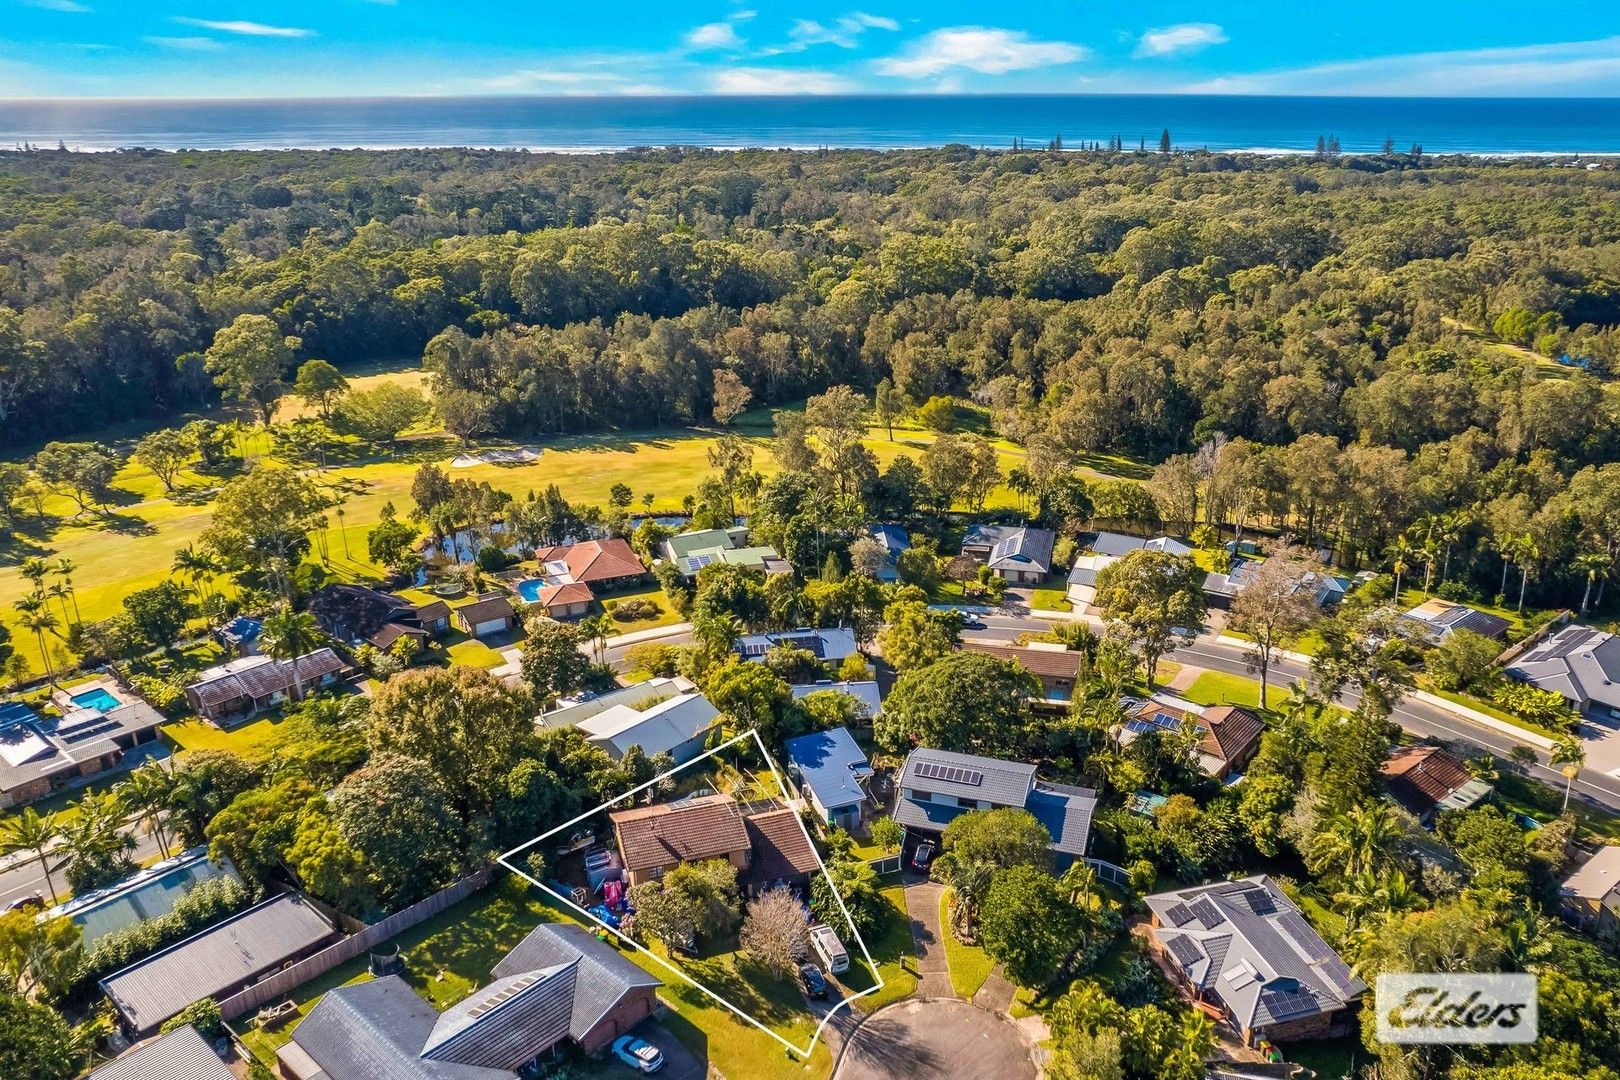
[[494, 626]]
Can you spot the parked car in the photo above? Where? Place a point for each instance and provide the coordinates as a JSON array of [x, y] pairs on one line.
[[921, 857], [971, 623], [26, 903], [813, 981], [639, 1054], [827, 946]]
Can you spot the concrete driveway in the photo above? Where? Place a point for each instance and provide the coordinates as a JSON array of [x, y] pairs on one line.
[[936, 1040], [679, 1062]]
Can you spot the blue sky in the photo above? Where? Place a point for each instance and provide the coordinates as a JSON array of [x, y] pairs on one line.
[[323, 48]]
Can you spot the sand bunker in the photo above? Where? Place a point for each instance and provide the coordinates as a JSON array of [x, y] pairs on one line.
[[521, 455]]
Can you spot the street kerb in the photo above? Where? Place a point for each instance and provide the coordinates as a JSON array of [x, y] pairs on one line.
[[506, 859]]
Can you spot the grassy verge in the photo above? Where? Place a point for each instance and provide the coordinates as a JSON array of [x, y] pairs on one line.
[[1053, 599], [970, 967], [889, 949], [1521, 795], [1220, 688], [1488, 709]]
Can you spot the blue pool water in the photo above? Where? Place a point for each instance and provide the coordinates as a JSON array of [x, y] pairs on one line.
[[530, 589], [98, 699]]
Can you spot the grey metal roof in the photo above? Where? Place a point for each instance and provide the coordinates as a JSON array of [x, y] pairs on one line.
[[1066, 813], [1023, 549], [33, 746], [865, 691], [215, 961], [1266, 963], [832, 765], [375, 1031], [508, 1023], [1579, 662], [1001, 783], [182, 1054], [605, 975]]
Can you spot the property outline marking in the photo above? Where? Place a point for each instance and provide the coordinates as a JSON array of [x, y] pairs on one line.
[[803, 1051]]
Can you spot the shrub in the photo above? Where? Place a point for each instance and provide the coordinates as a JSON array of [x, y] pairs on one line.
[[1547, 708], [492, 559], [635, 610], [165, 695], [202, 1015], [203, 906], [940, 414]]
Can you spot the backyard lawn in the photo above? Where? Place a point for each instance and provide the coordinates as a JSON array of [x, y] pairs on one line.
[[251, 740], [667, 615], [970, 967]]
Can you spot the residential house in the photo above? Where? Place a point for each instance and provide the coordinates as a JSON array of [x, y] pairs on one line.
[[1228, 736], [831, 645], [216, 963], [1591, 895], [768, 847], [1435, 619], [93, 731], [893, 539], [148, 893], [1019, 555], [564, 599], [1057, 668], [1424, 780], [1324, 589], [354, 615], [677, 725], [1244, 948], [866, 692], [604, 565], [682, 545], [938, 786], [1579, 662], [832, 773], [559, 985], [490, 614], [247, 686], [182, 1054], [692, 551], [240, 636], [1104, 549]]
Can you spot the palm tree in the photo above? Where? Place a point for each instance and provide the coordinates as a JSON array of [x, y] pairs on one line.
[[1524, 552], [1368, 897], [65, 569], [1401, 553], [1594, 564], [1568, 755], [29, 831], [595, 628], [36, 570], [1448, 532], [287, 635], [198, 566], [60, 592], [34, 615], [148, 791], [96, 836], [1360, 840]]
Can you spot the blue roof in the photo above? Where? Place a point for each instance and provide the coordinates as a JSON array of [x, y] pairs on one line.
[[892, 537], [827, 762]]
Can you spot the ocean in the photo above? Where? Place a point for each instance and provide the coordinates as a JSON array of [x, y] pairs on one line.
[[593, 124]]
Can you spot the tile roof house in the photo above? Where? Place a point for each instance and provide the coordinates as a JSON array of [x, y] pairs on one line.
[[560, 984], [41, 753], [252, 684], [1229, 736], [216, 962], [182, 1054], [602, 564], [1591, 894], [1435, 619], [1018, 554], [491, 613], [1056, 667], [565, 600], [354, 614], [1425, 780], [832, 771], [1579, 662], [766, 847], [828, 644], [938, 786], [1245, 948], [1105, 548]]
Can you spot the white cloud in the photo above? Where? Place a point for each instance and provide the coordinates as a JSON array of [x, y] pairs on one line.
[[1573, 68], [247, 29], [195, 44], [715, 35], [757, 80], [71, 6], [986, 50], [843, 32], [1186, 37]]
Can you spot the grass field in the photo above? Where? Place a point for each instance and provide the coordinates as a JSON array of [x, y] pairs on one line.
[[254, 739], [970, 967], [1219, 688], [1521, 795]]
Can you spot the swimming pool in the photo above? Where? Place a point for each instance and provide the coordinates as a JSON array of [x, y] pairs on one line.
[[99, 699], [530, 588]]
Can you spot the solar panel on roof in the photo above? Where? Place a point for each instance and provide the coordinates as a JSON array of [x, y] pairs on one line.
[[1283, 1005], [955, 774], [1184, 951], [1207, 914], [1260, 901], [1179, 915], [1299, 931]]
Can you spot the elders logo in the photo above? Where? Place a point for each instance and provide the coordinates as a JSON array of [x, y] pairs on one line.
[[1456, 1008]]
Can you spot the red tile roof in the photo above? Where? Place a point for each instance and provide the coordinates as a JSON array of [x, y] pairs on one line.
[[781, 851], [576, 592], [596, 560], [1229, 732], [710, 827], [1046, 663], [1419, 777]]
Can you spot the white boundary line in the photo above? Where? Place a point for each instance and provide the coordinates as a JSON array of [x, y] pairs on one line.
[[803, 1051]]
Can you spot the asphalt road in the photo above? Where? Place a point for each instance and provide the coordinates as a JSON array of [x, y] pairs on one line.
[[26, 879], [1208, 651]]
